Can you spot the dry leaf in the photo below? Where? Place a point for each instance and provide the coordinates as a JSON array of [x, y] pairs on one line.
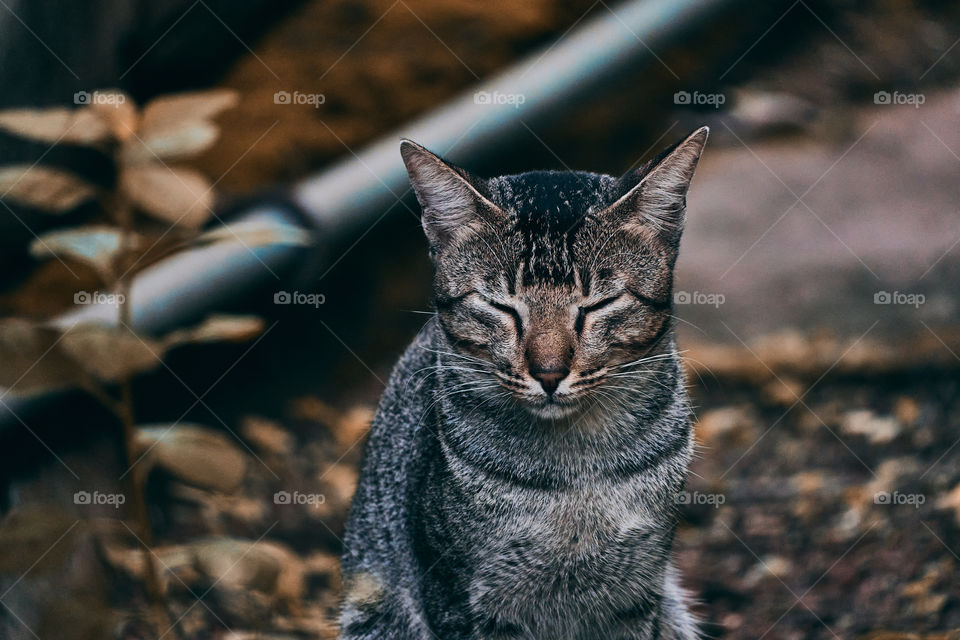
[[51, 190], [219, 328], [267, 436], [110, 353], [166, 114], [117, 110], [37, 537], [187, 140], [30, 363], [951, 501], [59, 124], [179, 196], [263, 566], [196, 455], [97, 246], [256, 233]]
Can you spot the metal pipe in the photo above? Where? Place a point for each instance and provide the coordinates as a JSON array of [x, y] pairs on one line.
[[357, 190]]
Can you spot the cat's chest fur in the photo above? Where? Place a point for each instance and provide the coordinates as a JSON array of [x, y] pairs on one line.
[[558, 561]]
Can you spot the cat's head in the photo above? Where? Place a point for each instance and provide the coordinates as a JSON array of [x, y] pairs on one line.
[[552, 283]]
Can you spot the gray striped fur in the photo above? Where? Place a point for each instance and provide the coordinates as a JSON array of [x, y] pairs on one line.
[[495, 501]]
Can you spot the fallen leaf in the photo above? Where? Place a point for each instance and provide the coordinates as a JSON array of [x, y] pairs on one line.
[[907, 410], [267, 436], [194, 454], [863, 422], [951, 501], [728, 424], [34, 532], [352, 426], [45, 188], [245, 564], [249, 580], [341, 479]]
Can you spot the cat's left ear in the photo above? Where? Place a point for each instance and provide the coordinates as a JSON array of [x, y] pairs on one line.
[[451, 199], [654, 199]]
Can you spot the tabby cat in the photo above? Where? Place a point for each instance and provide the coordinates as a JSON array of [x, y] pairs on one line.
[[521, 474]]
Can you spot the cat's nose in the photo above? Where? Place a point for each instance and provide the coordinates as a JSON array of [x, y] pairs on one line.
[[548, 358], [550, 379]]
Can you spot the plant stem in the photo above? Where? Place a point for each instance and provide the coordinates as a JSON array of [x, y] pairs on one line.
[[125, 409]]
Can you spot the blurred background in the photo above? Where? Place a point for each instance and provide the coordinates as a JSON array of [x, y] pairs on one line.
[[211, 260]]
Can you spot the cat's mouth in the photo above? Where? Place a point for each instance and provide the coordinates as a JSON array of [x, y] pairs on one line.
[[551, 407]]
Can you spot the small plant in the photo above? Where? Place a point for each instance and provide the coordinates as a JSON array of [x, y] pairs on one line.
[[153, 208]]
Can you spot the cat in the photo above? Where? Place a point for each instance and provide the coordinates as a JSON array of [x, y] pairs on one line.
[[521, 474]]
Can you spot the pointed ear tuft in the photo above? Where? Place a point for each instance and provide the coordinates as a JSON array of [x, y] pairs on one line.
[[449, 199], [655, 196]]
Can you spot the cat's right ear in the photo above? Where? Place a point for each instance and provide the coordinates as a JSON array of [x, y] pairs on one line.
[[450, 200]]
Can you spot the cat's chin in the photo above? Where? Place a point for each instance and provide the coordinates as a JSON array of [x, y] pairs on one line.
[[552, 410]]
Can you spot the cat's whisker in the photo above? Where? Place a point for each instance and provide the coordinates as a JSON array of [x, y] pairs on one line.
[[438, 369], [449, 367], [704, 366], [679, 319], [645, 379], [461, 356], [659, 356], [478, 385]]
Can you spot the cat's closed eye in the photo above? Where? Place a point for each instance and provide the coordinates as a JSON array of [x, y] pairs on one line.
[[508, 310], [584, 310]]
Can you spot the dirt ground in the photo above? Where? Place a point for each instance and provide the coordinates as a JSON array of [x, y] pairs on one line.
[[817, 508]]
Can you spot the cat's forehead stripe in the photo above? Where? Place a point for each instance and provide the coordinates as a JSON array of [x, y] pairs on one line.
[[549, 208]]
